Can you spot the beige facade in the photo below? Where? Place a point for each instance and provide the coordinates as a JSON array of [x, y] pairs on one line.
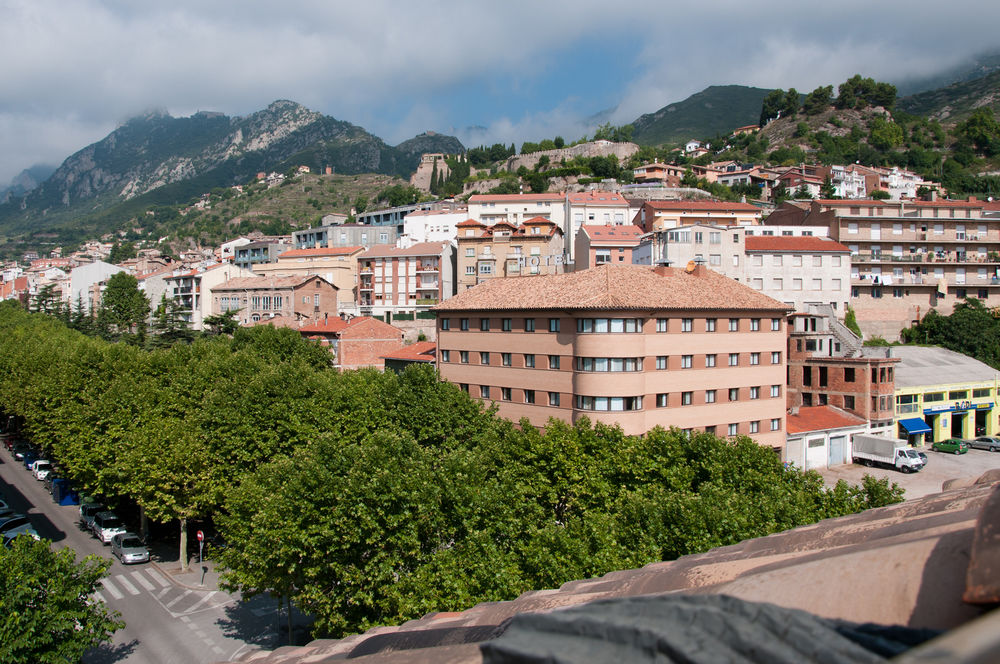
[[911, 256], [291, 298], [337, 265], [506, 250], [687, 349], [394, 279], [489, 209], [662, 215]]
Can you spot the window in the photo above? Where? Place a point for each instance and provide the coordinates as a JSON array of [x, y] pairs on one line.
[[553, 361], [775, 324], [686, 398], [553, 325], [446, 356], [775, 391], [505, 359], [505, 324], [755, 426], [484, 324], [505, 393], [849, 402], [733, 429], [617, 364], [529, 324], [529, 360], [776, 424], [606, 325], [709, 396], [661, 324], [823, 371], [463, 356], [734, 324], [661, 362], [686, 361], [661, 400], [484, 391], [775, 357], [710, 360], [754, 358], [529, 396], [848, 374], [484, 358], [608, 403], [470, 252], [755, 392], [470, 269], [754, 324], [553, 398], [464, 324], [734, 359], [981, 393], [710, 325], [687, 324], [445, 323], [734, 394]]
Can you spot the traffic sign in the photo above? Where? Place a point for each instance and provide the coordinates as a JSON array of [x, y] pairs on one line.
[[201, 536]]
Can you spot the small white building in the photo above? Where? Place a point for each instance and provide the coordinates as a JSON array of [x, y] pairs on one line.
[[800, 270], [83, 279], [422, 226], [820, 436]]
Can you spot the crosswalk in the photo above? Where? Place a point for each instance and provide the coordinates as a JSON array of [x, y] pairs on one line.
[[177, 601]]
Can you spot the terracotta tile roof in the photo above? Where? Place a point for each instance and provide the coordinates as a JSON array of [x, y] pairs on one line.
[[319, 252], [419, 249], [430, 213], [421, 351], [798, 244], [616, 235], [614, 287], [820, 418], [256, 283], [470, 223], [514, 198], [702, 206], [325, 326], [162, 270], [337, 326], [597, 198]]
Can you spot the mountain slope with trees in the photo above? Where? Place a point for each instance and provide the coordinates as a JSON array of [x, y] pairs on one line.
[[715, 110]]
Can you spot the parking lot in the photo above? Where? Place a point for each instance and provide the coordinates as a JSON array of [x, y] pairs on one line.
[[940, 468]]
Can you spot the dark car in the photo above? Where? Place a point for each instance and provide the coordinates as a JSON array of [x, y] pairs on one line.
[[87, 513], [953, 445], [990, 443]]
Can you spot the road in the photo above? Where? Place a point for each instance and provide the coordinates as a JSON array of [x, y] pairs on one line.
[[940, 468], [168, 620]]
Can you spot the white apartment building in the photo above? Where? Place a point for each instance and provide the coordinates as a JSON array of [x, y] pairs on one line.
[[431, 226]]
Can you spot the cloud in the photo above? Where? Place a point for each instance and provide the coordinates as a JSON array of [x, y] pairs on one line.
[[523, 70]]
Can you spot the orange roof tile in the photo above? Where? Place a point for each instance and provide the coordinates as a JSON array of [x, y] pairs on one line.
[[421, 351], [597, 198], [819, 418], [797, 243], [614, 287], [252, 283], [470, 223]]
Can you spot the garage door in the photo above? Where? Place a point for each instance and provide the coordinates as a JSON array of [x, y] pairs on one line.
[[837, 450], [816, 453]]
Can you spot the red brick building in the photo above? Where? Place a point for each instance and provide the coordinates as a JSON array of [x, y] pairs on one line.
[[357, 343]]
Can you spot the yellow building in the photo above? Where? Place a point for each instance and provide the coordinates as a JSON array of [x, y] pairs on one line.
[[942, 394]]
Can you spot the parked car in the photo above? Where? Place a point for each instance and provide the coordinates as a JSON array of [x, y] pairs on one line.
[[128, 548], [106, 526], [18, 526], [991, 443], [87, 513], [41, 469], [953, 445], [923, 457], [20, 449]]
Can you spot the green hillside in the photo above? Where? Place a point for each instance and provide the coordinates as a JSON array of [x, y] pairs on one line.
[[715, 110], [954, 103]]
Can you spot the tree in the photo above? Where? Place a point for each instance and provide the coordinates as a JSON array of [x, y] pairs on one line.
[[169, 325], [224, 323], [981, 130], [360, 204], [121, 252], [885, 134], [818, 100], [46, 301], [771, 106], [790, 104], [124, 307], [559, 142], [46, 614], [828, 191]]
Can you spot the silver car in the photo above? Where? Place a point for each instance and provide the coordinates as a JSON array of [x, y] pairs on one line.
[[106, 526], [991, 443], [128, 548]]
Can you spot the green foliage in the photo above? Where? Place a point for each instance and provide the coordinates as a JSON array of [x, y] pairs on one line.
[[880, 195], [857, 92], [46, 615], [771, 106], [851, 321], [124, 308], [818, 100], [982, 131], [885, 134], [607, 132], [971, 329], [121, 252], [801, 129]]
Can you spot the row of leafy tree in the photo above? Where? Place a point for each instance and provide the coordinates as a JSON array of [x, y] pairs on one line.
[[369, 498], [855, 92]]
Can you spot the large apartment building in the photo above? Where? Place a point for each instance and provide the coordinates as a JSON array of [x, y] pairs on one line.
[[637, 346], [507, 250], [662, 215], [910, 256], [394, 279]]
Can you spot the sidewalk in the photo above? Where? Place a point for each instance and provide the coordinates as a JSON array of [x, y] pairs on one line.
[[203, 576]]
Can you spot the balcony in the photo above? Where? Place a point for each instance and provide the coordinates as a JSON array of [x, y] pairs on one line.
[[429, 285], [926, 257], [428, 267]]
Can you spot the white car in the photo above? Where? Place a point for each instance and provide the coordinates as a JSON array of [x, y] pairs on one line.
[[106, 526], [41, 469]]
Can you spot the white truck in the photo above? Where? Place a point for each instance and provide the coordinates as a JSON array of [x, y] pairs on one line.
[[889, 452]]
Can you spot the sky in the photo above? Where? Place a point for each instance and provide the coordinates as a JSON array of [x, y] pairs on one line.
[[486, 72]]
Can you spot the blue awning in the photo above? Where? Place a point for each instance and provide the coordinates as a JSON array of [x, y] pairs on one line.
[[915, 425]]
